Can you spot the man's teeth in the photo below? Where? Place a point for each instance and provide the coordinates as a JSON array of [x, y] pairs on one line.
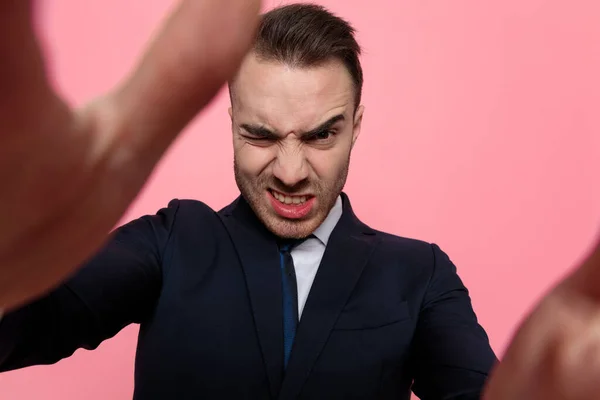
[[289, 199]]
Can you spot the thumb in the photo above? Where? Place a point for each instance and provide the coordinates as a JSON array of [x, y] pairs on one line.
[[199, 47], [585, 280]]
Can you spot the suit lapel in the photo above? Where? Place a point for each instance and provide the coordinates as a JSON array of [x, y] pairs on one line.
[[259, 257], [348, 250]]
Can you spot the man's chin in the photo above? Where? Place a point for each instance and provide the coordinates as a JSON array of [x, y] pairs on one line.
[[291, 228]]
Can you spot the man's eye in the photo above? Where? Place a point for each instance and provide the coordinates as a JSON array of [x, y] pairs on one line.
[[323, 135], [257, 138]]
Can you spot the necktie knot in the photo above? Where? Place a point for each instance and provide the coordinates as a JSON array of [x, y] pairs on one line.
[[286, 245]]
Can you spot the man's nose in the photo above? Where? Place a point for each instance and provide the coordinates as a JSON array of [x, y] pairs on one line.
[[290, 167]]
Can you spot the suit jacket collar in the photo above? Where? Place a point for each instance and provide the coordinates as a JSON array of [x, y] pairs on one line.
[[349, 247], [323, 232]]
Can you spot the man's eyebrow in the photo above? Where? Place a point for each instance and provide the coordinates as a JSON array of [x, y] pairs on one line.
[[324, 126], [259, 131]]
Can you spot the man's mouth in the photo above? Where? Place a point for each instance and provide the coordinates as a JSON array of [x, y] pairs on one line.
[[287, 199], [291, 207]]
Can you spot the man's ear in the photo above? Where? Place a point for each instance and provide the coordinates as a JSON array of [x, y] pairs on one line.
[[357, 123]]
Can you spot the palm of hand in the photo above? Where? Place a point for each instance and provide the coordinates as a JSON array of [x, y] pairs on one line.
[[70, 175], [555, 354]]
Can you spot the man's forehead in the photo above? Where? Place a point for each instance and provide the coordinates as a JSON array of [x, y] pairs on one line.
[[277, 94], [269, 80]]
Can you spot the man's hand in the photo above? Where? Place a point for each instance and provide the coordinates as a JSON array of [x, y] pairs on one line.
[[556, 352], [68, 175]]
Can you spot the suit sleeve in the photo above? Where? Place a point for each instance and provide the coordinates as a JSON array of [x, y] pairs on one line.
[[452, 356], [118, 286]]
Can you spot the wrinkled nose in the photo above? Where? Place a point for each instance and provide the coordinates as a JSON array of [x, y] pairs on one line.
[[290, 167]]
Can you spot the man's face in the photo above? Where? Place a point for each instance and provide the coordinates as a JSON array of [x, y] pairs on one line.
[[293, 131]]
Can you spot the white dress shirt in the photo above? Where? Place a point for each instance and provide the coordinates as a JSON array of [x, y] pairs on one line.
[[308, 254]]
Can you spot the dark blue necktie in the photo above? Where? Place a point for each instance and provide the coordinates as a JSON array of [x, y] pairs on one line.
[[290, 296]]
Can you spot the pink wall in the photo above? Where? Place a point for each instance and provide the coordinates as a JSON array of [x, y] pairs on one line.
[[481, 133]]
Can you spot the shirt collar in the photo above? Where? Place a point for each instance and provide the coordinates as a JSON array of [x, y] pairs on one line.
[[324, 230]]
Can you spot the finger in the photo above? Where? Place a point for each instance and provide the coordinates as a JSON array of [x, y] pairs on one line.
[[198, 49], [585, 279], [25, 91]]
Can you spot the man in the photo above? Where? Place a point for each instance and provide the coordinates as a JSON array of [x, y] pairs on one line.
[[231, 306], [359, 313]]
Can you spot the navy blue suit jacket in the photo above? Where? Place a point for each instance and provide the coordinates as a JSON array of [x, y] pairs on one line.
[[384, 313]]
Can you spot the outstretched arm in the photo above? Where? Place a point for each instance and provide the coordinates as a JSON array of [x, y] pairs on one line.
[[119, 285], [451, 355]]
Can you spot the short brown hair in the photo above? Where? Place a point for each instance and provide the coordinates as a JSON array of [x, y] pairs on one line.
[[306, 35]]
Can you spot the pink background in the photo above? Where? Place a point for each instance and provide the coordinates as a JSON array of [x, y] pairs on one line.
[[481, 133]]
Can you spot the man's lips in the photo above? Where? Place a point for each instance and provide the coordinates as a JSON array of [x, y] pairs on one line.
[[291, 207]]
